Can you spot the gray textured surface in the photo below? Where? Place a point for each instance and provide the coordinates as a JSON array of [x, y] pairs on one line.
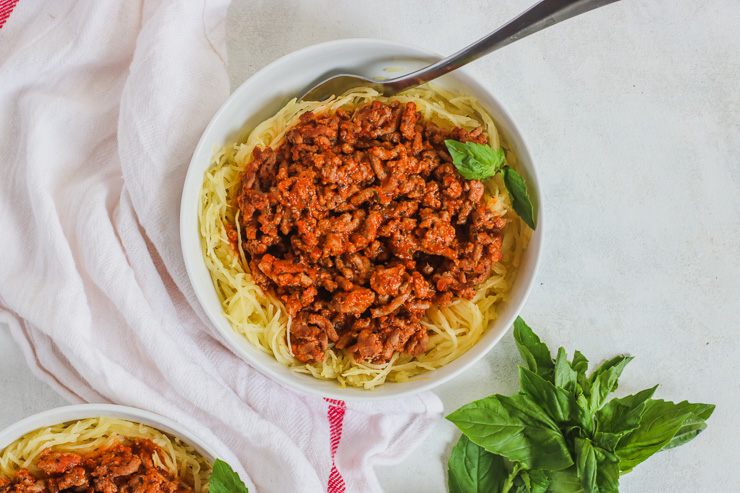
[[633, 117], [22, 393]]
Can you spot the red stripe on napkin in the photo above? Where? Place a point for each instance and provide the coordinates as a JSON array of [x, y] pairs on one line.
[[336, 418], [6, 7]]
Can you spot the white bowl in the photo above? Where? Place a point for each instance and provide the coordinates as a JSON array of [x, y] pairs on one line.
[[83, 411], [259, 98]]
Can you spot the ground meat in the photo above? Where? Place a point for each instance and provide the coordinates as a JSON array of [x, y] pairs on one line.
[[53, 462], [359, 222], [23, 482], [115, 469]]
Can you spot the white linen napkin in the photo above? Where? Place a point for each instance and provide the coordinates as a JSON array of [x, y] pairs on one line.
[[101, 106]]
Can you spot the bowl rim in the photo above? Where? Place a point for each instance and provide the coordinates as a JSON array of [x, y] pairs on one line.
[[77, 412], [286, 377]]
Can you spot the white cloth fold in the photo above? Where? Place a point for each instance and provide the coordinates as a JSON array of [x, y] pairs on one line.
[[101, 106]]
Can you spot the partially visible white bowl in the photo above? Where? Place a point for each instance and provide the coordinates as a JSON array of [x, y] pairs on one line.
[[259, 98], [83, 411]]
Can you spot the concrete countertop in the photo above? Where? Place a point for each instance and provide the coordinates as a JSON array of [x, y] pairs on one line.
[[633, 116]]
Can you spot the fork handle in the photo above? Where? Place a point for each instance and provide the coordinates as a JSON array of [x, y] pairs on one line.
[[544, 14]]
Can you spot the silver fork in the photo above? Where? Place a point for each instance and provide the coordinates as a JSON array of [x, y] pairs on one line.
[[540, 16]]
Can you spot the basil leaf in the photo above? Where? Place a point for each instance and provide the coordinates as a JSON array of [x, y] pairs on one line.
[[565, 377], [580, 366], [607, 473], [620, 416], [693, 425], [607, 476], [526, 406], [475, 161], [703, 411], [478, 162], [534, 353], [528, 480], [608, 365], [472, 469], [586, 464], [538, 481], [688, 431], [557, 403], [584, 416], [514, 482], [580, 363], [660, 423], [606, 440], [225, 480], [604, 380], [560, 433], [565, 481], [519, 486], [523, 477], [516, 428], [517, 189]]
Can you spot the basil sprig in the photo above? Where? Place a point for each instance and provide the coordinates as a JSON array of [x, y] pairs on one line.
[[225, 480], [558, 434], [478, 162]]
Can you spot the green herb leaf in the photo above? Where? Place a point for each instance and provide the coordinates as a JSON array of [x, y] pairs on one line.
[[693, 425], [565, 377], [660, 423], [559, 432], [607, 473], [519, 486], [478, 162], [585, 418], [534, 353], [607, 476], [515, 427], [621, 416], [557, 403], [580, 363], [475, 161], [515, 482], [472, 469], [225, 480], [537, 481], [517, 189], [580, 366], [565, 481], [608, 365], [586, 464], [608, 441], [604, 380]]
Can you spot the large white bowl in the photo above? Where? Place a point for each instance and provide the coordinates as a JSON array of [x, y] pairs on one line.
[[83, 411], [259, 98]]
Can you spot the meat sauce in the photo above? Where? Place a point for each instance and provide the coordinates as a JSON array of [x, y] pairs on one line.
[[111, 470], [359, 223]]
